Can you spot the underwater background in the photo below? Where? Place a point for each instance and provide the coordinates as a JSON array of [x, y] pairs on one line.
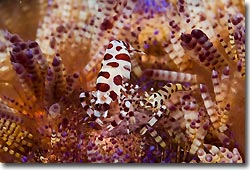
[[127, 81]]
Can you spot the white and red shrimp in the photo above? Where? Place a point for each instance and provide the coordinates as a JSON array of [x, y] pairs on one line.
[[115, 70]]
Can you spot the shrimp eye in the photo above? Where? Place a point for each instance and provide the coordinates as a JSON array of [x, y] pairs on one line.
[[98, 107]]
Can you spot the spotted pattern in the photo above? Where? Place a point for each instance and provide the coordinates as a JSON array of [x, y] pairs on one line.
[[115, 70], [113, 64], [103, 87], [118, 48], [156, 99], [107, 56], [110, 46], [117, 80], [104, 74], [124, 57], [113, 95]]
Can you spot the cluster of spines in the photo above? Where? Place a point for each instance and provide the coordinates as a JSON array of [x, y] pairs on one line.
[[219, 155], [34, 73], [103, 22], [30, 65], [16, 140], [113, 150], [202, 49], [218, 111]]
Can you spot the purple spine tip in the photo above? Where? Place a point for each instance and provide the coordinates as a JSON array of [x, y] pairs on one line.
[[197, 33], [24, 159], [203, 88], [56, 61], [186, 38], [18, 68]]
